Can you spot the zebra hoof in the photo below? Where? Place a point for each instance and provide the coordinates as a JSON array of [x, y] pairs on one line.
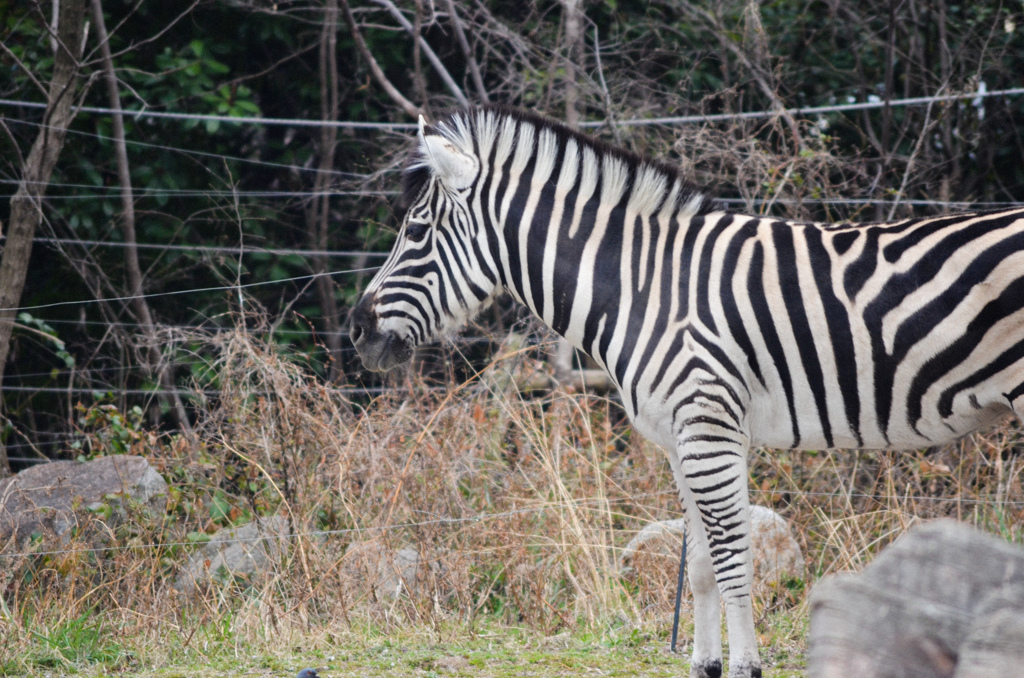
[[712, 668], [744, 671]]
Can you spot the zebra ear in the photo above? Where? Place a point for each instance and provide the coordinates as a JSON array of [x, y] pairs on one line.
[[453, 167]]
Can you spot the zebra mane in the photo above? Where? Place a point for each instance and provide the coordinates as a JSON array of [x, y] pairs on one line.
[[464, 127]]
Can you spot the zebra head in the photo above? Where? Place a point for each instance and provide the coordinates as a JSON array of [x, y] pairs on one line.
[[433, 281]]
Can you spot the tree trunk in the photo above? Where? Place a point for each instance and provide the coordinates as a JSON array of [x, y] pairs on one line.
[[152, 358], [26, 204], [318, 216], [574, 44]]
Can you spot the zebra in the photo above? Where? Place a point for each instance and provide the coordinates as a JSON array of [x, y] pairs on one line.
[[721, 330]]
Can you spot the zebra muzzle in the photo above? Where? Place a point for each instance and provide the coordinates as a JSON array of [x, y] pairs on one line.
[[379, 351]]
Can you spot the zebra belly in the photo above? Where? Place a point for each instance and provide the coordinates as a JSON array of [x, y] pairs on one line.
[[972, 411]]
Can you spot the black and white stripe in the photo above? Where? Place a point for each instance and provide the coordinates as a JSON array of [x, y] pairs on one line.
[[720, 329]]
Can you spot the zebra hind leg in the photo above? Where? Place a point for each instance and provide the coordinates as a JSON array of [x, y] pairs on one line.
[[718, 514], [706, 660]]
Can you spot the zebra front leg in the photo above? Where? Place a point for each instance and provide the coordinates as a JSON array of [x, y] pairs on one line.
[[713, 461], [706, 660]]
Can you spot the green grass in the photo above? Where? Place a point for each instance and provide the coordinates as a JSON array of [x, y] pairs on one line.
[[497, 652], [85, 646], [78, 641]]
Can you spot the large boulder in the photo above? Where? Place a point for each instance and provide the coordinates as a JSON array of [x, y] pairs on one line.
[[653, 554], [994, 646], [944, 600], [245, 551], [50, 500]]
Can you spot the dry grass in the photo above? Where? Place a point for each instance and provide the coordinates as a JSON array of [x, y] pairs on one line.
[[520, 505]]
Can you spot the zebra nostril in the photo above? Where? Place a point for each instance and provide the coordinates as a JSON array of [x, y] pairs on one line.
[[363, 321]]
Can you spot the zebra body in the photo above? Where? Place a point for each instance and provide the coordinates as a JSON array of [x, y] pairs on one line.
[[824, 356], [721, 330]]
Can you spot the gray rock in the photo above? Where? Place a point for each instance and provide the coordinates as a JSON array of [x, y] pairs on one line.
[[372, 571], [51, 499], [859, 628], [994, 646], [776, 552], [944, 600], [248, 550]]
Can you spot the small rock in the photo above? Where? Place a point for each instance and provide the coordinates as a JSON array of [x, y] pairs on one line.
[[51, 498], [776, 553], [371, 570], [372, 566], [249, 549]]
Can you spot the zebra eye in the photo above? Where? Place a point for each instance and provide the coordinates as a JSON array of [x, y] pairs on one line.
[[415, 230]]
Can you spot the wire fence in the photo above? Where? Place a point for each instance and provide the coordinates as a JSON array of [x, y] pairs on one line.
[[221, 249], [98, 192], [727, 200], [807, 111], [214, 288], [206, 393], [297, 169]]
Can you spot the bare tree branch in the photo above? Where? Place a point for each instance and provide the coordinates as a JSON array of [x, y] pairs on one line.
[[573, 23], [925, 131], [411, 109], [608, 110], [757, 72], [131, 259], [156, 36], [318, 215], [417, 61], [574, 41], [431, 56], [26, 69], [474, 67], [17, 151]]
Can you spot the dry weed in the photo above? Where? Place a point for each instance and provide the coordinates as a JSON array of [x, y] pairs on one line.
[[512, 507]]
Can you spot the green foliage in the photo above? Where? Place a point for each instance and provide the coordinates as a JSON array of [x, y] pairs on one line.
[[191, 74], [59, 347], [106, 431], [28, 41]]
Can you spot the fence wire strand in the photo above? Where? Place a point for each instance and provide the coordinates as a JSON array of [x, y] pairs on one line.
[[218, 288], [629, 122]]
